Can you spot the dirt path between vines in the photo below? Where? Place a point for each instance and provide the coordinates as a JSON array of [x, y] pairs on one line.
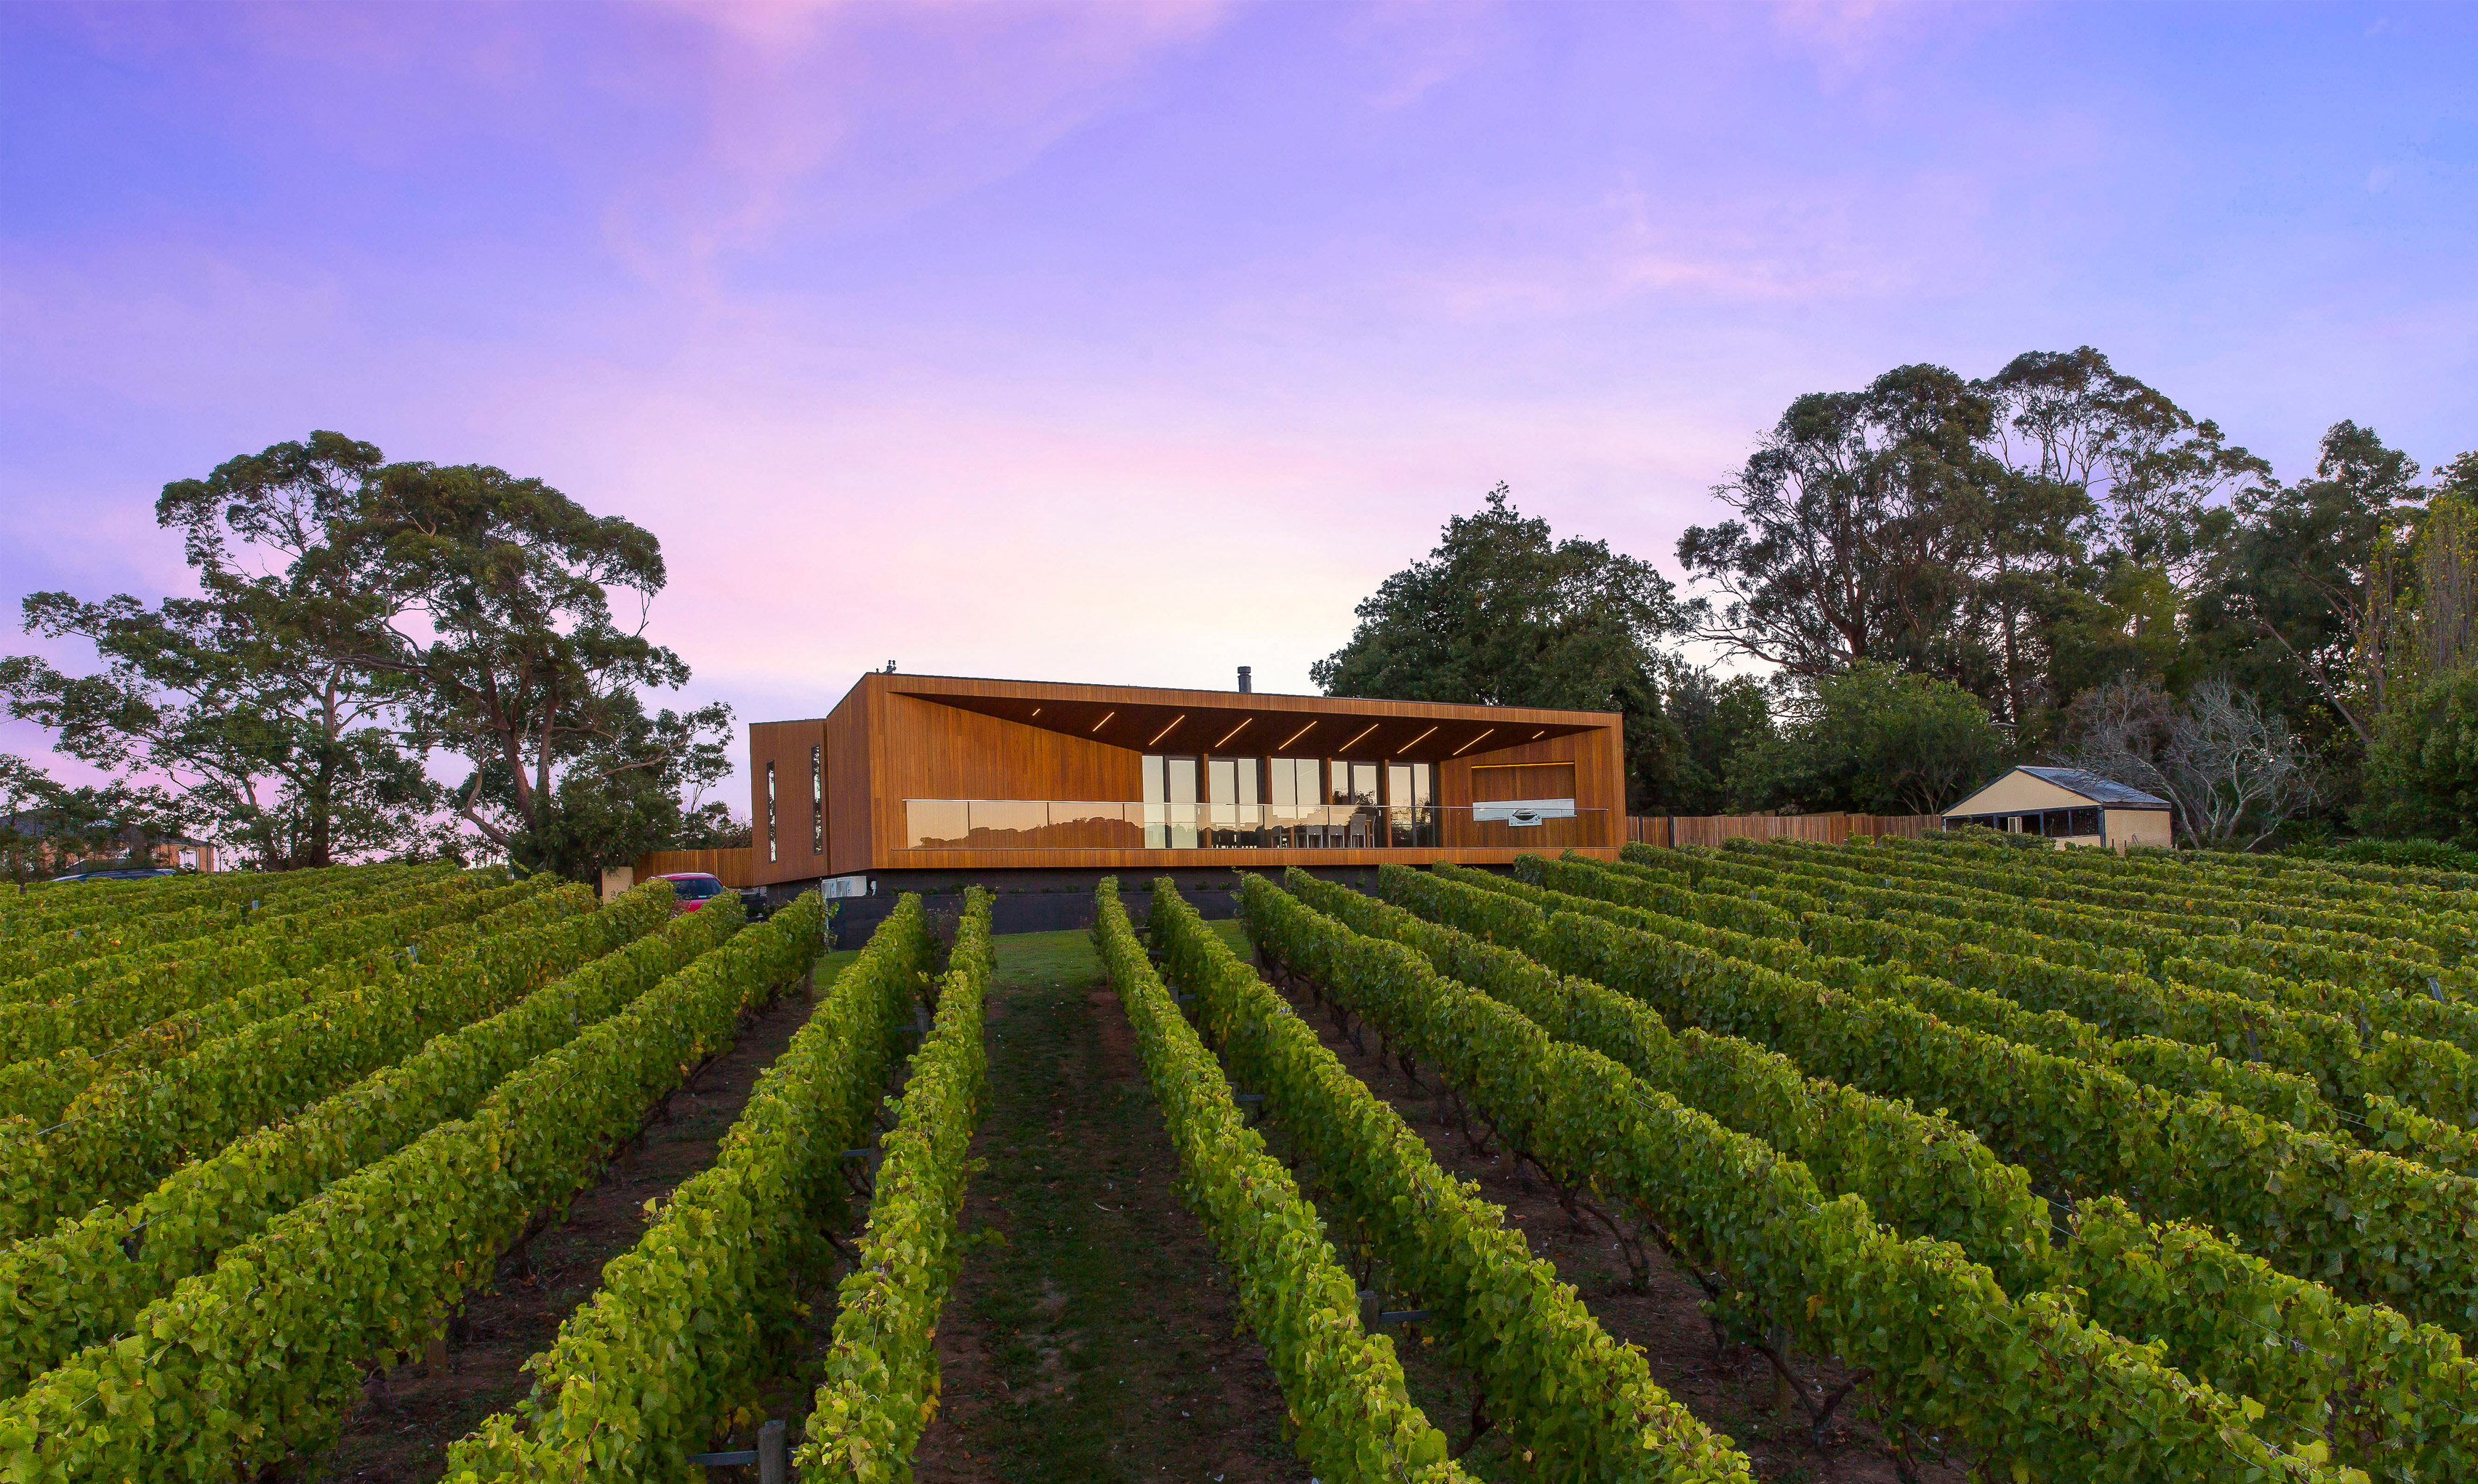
[[1731, 1392], [400, 1432], [1096, 1342]]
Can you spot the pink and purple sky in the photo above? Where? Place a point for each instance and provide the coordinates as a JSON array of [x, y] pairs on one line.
[[1133, 342]]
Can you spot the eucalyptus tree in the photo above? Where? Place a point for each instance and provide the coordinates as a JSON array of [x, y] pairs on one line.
[[2022, 536], [246, 702], [2314, 571], [2151, 484], [1859, 519], [498, 618], [354, 617]]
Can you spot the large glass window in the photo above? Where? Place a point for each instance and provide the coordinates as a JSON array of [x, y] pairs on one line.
[[1295, 802], [769, 812], [938, 823], [1231, 789], [1410, 803], [1170, 803], [817, 799], [1294, 781], [1352, 786]]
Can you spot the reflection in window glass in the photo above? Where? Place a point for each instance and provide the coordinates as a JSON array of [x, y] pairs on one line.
[[1230, 785], [1411, 799], [769, 811], [1353, 783], [1295, 800], [1170, 803], [817, 799], [1351, 786], [937, 823]]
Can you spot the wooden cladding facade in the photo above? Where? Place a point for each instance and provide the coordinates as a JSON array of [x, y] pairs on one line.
[[901, 737]]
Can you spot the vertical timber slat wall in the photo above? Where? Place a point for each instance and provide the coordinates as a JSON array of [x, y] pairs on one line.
[[786, 746], [851, 806]]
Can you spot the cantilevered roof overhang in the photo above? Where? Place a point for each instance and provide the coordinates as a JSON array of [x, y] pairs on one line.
[[1145, 719]]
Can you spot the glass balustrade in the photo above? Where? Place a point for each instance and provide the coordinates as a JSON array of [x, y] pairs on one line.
[[1055, 824]]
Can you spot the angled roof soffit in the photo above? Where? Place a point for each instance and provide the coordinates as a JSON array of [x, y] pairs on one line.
[[1276, 725]]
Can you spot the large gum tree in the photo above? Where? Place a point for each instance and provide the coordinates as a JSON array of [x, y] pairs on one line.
[[247, 703], [498, 620]]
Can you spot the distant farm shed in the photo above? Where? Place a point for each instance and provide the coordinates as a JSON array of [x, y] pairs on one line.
[[2067, 805]]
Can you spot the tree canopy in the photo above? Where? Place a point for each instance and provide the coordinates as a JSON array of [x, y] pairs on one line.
[[2021, 535], [1925, 578], [359, 617], [1500, 613], [1875, 739]]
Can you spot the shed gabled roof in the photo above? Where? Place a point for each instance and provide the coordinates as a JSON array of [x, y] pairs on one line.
[[2096, 789]]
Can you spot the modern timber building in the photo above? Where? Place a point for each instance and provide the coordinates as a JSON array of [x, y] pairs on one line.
[[933, 776]]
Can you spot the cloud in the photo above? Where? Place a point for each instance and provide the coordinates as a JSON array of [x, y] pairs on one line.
[[1848, 39], [1421, 44], [825, 119], [1808, 243]]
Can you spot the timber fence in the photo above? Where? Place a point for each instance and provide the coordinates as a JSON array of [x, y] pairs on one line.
[[1831, 829]]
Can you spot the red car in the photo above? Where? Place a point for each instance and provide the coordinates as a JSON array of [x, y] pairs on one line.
[[692, 889]]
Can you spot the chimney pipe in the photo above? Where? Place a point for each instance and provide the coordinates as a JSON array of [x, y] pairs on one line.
[[1244, 683]]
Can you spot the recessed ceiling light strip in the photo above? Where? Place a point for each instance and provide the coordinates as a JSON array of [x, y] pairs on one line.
[[1166, 731], [1105, 721], [1469, 745], [1416, 740], [1233, 732], [1346, 746], [1294, 737]]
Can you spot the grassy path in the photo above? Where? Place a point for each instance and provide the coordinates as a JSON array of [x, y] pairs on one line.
[[1094, 1342]]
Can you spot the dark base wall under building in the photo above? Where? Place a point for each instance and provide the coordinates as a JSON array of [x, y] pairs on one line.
[[856, 918], [1038, 902]]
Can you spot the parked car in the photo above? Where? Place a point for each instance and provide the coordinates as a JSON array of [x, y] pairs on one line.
[[692, 889]]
